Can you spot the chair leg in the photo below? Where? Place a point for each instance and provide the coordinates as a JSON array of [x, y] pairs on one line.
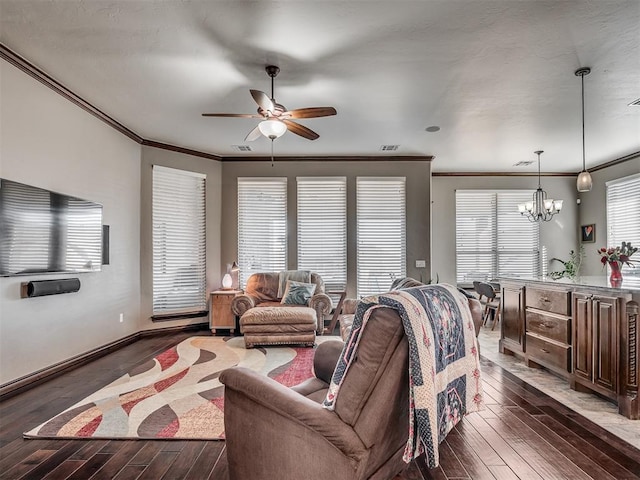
[[485, 316], [496, 318]]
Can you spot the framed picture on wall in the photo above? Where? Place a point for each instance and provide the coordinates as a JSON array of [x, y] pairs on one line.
[[588, 233]]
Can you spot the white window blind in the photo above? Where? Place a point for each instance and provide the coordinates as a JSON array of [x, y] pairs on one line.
[[179, 278], [262, 225], [381, 232], [322, 229], [492, 238], [623, 221]]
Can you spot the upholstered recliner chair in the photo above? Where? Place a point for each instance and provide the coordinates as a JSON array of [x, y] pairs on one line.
[[262, 291], [274, 432]]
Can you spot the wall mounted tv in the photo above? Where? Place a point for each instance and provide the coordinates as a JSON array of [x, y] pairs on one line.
[[47, 232]]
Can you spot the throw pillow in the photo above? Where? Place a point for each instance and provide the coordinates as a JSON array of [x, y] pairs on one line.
[[303, 276], [297, 293]]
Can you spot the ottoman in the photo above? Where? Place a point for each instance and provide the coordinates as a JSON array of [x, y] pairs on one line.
[[279, 325]]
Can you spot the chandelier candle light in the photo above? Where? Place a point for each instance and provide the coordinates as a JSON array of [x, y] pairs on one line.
[[540, 208]]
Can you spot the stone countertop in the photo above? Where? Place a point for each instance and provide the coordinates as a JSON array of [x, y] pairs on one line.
[[629, 284]]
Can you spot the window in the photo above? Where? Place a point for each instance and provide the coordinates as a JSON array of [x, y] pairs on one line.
[[262, 225], [322, 229], [623, 220], [381, 232], [492, 238], [178, 209]]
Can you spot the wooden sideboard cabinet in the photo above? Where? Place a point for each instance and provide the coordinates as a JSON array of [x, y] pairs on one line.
[[585, 331], [220, 315], [512, 318]]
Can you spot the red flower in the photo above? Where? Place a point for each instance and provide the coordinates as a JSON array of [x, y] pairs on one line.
[[621, 254]]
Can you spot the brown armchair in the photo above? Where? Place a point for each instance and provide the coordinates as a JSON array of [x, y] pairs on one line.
[[262, 291], [275, 432]]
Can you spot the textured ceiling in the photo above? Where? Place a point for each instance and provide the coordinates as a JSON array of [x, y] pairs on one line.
[[496, 76]]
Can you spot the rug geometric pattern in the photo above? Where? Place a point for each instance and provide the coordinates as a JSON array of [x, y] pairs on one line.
[[177, 395]]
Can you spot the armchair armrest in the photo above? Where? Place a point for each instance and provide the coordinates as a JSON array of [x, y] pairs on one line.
[[349, 306], [242, 303], [321, 303], [326, 359], [259, 392]]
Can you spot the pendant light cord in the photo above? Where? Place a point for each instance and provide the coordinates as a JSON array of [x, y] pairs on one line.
[[584, 168]]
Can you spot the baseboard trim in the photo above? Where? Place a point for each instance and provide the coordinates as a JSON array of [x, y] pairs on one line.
[[31, 380]]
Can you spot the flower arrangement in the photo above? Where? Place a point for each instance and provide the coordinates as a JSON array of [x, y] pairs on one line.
[[620, 254]]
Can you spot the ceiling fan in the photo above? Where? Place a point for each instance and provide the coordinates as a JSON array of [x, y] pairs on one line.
[[276, 119]]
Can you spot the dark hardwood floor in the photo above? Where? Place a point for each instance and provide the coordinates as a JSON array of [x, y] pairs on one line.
[[523, 434]]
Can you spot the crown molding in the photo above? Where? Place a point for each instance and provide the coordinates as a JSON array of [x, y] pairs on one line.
[[617, 161], [502, 174], [187, 151], [34, 72], [332, 158]]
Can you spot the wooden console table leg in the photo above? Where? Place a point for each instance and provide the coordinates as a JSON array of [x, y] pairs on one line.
[[336, 312]]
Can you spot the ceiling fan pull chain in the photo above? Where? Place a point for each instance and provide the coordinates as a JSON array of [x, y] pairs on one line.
[[272, 153]]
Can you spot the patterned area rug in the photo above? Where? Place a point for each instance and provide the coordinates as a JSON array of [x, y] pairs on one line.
[[177, 395]]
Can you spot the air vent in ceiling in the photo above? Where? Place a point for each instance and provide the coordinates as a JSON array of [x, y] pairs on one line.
[[389, 148], [523, 163], [241, 148], [635, 103]]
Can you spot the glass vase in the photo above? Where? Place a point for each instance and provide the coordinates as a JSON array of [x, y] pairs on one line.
[[616, 274]]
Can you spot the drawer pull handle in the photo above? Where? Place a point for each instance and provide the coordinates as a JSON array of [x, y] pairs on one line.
[[545, 299], [546, 326], [544, 350]]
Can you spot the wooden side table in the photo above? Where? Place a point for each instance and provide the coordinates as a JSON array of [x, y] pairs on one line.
[[220, 314]]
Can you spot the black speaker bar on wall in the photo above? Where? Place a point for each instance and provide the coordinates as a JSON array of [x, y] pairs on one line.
[[39, 288], [105, 244]]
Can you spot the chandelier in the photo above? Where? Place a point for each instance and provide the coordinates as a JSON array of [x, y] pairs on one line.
[[540, 208]]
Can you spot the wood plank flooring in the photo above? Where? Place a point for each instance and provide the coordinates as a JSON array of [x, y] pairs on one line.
[[523, 434]]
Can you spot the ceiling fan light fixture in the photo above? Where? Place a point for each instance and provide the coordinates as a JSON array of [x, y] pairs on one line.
[[272, 129]]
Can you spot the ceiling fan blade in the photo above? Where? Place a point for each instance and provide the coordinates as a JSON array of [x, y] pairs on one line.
[[300, 130], [311, 112], [237, 115], [253, 135], [263, 101]]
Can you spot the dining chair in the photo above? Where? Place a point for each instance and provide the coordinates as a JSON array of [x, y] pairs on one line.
[[487, 295]]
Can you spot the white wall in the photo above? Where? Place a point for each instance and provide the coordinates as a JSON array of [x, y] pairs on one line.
[[559, 236], [48, 142], [592, 210], [213, 206]]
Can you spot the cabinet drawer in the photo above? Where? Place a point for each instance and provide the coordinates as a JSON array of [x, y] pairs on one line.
[[548, 353], [223, 299], [550, 327], [554, 301]]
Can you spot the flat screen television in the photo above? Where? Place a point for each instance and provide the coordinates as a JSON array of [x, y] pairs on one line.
[[47, 232]]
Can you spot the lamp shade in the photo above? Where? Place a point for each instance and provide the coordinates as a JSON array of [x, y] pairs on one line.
[[584, 182], [272, 128]]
